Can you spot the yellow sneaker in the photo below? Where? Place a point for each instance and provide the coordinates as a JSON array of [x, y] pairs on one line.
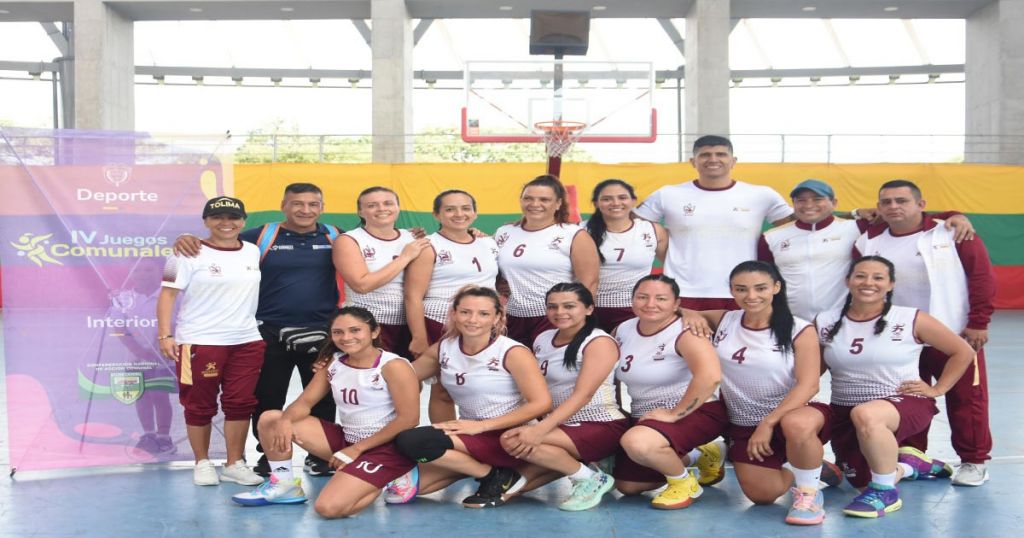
[[680, 493], [711, 464]]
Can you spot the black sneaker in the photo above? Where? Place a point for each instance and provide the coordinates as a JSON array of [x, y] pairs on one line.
[[262, 467], [496, 488], [315, 466]]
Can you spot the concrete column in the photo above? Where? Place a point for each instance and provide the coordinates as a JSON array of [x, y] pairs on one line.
[[707, 69], [104, 45], [995, 76], [392, 42]]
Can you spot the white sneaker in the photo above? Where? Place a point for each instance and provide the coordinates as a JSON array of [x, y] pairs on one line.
[[240, 473], [970, 474], [205, 474], [273, 492]]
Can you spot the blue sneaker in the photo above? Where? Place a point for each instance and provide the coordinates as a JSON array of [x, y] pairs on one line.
[[808, 508], [876, 501], [587, 493], [924, 466], [273, 491]]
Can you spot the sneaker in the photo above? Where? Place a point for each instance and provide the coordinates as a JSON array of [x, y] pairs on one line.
[[315, 466], [240, 473], [496, 488], [971, 474], [587, 493], [205, 474], [808, 508], [680, 493], [875, 501], [831, 474], [710, 464], [925, 467], [273, 492], [148, 443], [165, 445], [404, 488], [262, 467]]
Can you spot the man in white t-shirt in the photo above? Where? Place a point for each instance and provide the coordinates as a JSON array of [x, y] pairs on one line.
[[714, 223]]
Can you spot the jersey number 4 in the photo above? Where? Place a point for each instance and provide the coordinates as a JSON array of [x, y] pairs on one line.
[[738, 356]]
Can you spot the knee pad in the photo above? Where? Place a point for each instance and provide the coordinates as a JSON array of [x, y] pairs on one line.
[[423, 444]]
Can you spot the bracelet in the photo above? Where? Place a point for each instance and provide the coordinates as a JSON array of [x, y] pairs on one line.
[[343, 457], [165, 337]]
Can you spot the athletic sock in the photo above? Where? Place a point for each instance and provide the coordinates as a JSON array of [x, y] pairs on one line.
[[888, 479], [908, 471], [692, 456], [582, 473], [807, 479], [282, 470], [681, 476]]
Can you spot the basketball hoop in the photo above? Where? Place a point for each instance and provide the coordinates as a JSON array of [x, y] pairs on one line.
[[560, 135]]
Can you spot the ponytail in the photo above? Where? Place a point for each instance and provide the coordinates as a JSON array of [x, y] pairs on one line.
[[781, 321], [832, 331]]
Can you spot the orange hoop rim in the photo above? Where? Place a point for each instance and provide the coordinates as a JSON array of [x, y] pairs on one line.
[[560, 126]]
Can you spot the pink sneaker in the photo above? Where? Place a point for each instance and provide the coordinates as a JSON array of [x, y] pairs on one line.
[[404, 488]]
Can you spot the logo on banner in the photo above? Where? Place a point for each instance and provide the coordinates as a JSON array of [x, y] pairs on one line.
[[127, 387], [117, 174], [33, 247]]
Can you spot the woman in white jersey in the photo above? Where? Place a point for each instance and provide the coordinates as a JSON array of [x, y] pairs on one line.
[[371, 260], [539, 251], [578, 362], [215, 343], [670, 376], [377, 397], [497, 385], [455, 258], [627, 247], [771, 368], [871, 348]]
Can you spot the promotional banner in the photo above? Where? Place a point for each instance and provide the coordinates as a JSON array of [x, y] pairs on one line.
[[86, 222]]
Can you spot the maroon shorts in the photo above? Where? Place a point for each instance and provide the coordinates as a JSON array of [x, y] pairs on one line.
[[395, 338], [434, 330], [596, 440], [376, 466], [702, 426], [709, 303], [915, 415], [486, 448], [609, 317], [525, 330], [739, 437], [205, 371]]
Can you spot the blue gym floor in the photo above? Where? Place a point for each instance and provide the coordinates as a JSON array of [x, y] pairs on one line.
[[160, 500]]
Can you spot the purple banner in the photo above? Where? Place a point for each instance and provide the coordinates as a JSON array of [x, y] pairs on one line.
[[86, 221]]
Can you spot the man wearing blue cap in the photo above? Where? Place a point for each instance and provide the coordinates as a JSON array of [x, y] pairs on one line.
[[813, 253]]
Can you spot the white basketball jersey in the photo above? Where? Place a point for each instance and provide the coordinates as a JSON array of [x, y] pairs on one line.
[[388, 301], [913, 287], [602, 407], [756, 373], [532, 262], [361, 394], [457, 265], [866, 366], [628, 257], [656, 376], [479, 384]]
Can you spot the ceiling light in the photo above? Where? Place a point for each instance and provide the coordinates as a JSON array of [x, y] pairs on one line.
[[198, 79], [276, 80], [854, 79], [159, 79], [196, 9], [505, 8], [932, 77], [737, 80], [890, 9], [808, 8], [315, 81], [893, 79], [287, 9], [815, 80], [237, 80]]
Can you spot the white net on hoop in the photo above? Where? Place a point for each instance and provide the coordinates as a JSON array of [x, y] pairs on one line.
[[559, 136]]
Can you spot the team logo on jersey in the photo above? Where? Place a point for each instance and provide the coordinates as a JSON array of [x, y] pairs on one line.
[[501, 239], [210, 370], [556, 243], [784, 245], [444, 360], [536, 349], [215, 270], [444, 257], [492, 364], [659, 353], [741, 210], [896, 333], [126, 387], [719, 336], [688, 210], [369, 253], [830, 239], [777, 348], [376, 381]]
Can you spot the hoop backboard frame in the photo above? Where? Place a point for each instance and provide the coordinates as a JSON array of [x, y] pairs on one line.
[[548, 86]]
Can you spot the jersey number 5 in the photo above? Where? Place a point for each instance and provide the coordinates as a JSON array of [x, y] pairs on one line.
[[856, 346]]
